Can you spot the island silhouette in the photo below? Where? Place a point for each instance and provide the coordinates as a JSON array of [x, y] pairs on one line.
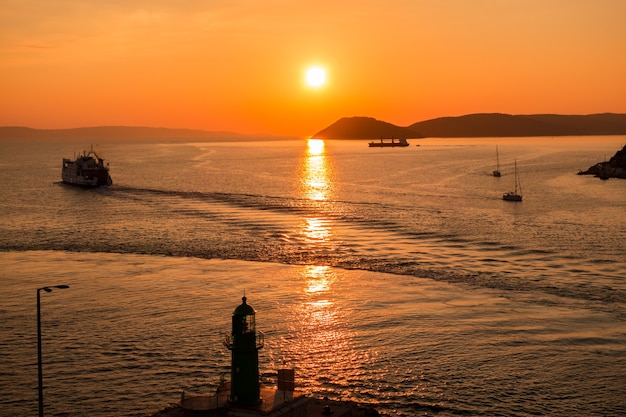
[[479, 125], [358, 127]]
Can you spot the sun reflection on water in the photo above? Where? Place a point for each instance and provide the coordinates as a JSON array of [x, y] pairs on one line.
[[316, 172], [316, 229], [323, 351], [323, 324], [315, 180], [318, 279]]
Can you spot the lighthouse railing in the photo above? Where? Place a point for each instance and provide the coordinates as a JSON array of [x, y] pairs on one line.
[[260, 339], [229, 340]]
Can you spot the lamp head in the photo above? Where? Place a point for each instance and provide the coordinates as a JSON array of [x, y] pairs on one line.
[[49, 288]]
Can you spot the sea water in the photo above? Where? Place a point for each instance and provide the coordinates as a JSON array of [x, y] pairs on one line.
[[394, 277]]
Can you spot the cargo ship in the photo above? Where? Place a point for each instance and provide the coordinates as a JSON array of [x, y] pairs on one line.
[[384, 143]]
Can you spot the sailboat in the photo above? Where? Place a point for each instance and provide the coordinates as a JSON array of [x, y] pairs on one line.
[[515, 195], [496, 172]]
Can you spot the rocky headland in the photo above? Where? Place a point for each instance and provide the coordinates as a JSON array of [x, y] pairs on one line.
[[613, 168]]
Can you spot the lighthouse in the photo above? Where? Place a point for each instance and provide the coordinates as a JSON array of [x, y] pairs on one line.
[[244, 343], [244, 395]]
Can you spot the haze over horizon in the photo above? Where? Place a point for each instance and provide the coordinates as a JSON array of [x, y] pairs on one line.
[[241, 66]]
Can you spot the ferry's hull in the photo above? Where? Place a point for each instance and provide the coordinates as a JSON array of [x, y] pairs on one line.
[[87, 180]]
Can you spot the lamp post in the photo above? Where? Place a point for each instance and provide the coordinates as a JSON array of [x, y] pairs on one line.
[[46, 289]]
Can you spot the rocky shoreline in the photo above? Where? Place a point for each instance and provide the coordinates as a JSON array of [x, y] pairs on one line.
[[301, 407], [613, 168]]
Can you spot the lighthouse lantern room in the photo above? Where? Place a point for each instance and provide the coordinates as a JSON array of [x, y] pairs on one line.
[[244, 342]]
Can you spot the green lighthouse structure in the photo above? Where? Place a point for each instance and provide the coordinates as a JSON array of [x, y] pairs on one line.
[[244, 342]]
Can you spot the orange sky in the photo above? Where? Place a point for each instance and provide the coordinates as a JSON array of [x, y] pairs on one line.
[[239, 65]]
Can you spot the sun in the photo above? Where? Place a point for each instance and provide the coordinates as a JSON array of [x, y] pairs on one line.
[[315, 76]]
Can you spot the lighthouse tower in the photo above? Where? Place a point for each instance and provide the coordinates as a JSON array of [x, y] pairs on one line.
[[244, 343]]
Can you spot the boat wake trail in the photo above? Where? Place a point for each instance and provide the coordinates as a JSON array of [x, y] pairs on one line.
[[367, 236]]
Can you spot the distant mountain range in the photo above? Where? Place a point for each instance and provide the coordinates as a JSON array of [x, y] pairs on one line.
[[471, 125], [480, 125], [114, 132]]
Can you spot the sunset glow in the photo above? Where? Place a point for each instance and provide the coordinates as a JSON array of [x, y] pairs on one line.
[[316, 76], [239, 67]]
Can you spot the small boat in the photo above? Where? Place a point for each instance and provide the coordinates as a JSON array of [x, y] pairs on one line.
[[384, 143], [516, 194], [88, 170], [496, 172]]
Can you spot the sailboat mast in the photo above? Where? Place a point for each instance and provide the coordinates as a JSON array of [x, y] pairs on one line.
[[497, 159], [516, 194], [496, 172], [517, 183]]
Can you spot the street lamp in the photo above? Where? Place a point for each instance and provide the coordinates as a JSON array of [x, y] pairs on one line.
[[46, 289]]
